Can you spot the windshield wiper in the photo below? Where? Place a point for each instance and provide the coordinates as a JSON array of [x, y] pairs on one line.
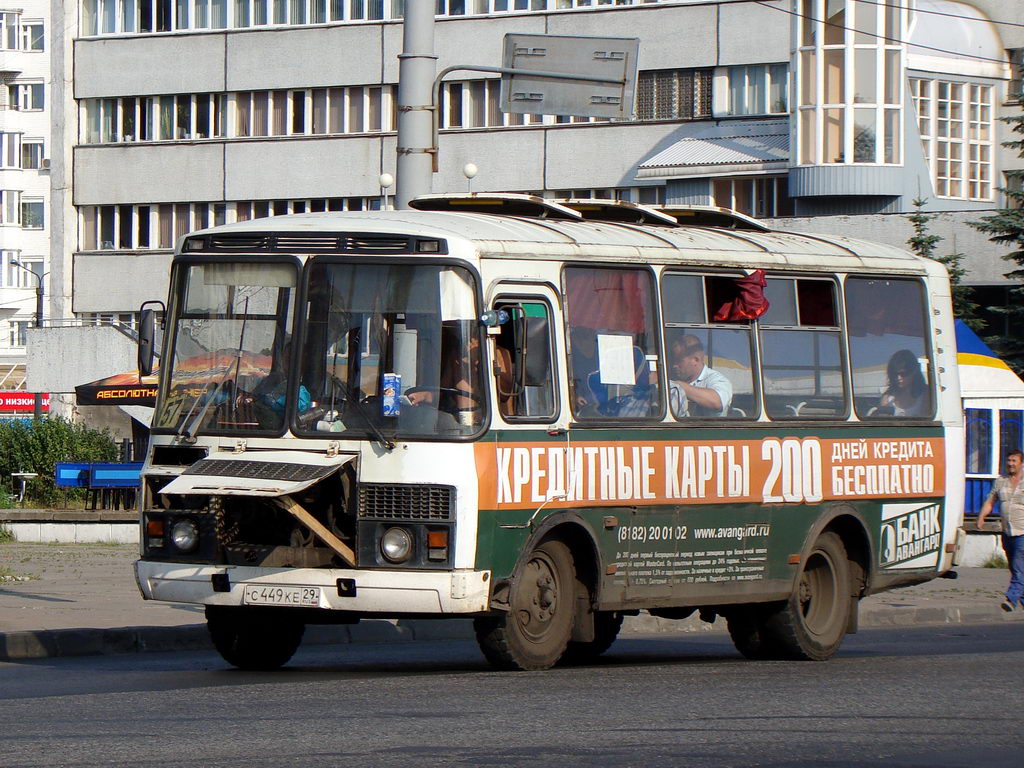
[[375, 431]]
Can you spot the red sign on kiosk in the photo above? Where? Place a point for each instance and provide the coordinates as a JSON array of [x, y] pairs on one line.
[[21, 402]]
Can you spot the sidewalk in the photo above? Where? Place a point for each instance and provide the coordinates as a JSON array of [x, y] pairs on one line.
[[83, 600]]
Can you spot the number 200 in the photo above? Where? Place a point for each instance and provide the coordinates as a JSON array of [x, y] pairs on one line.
[[795, 471]]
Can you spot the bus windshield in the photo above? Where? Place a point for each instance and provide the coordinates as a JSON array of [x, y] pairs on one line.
[[390, 350], [230, 344]]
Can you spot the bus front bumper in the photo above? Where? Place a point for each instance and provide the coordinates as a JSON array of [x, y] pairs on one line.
[[366, 591]]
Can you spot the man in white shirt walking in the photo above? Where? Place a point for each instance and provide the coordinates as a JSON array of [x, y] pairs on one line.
[[1010, 491]]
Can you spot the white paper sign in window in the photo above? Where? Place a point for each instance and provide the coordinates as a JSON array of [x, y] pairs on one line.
[[615, 359]]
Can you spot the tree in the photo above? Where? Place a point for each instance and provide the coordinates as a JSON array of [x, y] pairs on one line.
[[923, 243], [1006, 227], [37, 446]]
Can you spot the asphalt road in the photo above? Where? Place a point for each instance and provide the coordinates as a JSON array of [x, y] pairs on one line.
[[934, 696]]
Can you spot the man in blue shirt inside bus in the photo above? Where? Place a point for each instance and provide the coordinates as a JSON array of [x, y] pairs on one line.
[[695, 390]]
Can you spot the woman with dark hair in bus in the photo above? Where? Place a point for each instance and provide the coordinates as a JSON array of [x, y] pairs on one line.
[[907, 394]]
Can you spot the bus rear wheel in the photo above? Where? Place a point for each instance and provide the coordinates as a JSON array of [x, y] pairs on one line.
[[535, 632], [749, 635], [250, 640], [810, 625]]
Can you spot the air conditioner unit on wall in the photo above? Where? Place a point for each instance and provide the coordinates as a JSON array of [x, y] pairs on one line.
[[44, 164]]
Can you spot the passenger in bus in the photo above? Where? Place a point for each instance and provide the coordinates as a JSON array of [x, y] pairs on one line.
[[583, 350], [695, 390], [460, 371], [907, 394]]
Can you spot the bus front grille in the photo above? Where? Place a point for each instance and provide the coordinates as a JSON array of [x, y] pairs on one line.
[[387, 501]]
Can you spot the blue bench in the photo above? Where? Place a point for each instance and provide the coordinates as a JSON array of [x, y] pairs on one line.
[[107, 482], [115, 483]]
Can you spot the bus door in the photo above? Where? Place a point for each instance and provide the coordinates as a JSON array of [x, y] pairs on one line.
[[531, 423]]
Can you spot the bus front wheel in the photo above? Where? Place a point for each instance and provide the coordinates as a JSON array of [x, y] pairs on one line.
[[606, 628], [252, 641], [810, 625], [535, 632]]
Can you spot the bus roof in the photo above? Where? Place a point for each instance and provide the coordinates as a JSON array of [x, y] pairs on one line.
[[523, 237]]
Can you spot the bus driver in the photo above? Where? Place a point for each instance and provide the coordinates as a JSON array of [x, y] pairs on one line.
[[696, 390]]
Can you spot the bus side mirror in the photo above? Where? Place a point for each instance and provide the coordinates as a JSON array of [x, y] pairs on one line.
[[147, 337]]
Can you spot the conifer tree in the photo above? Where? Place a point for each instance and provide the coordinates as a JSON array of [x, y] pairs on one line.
[[923, 243]]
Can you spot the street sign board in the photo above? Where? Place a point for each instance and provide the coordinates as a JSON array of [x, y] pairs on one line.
[[542, 62]]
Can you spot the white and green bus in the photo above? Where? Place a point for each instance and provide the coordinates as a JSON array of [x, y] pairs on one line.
[[545, 417]]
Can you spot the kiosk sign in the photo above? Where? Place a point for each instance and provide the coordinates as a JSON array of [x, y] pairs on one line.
[[21, 401]]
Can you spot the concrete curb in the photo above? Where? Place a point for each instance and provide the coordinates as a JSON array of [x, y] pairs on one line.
[[42, 644]]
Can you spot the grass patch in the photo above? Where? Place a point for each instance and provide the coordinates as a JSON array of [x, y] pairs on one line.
[[5, 534], [7, 576], [996, 561]]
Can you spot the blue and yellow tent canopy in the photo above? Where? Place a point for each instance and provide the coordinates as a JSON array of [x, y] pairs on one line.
[[982, 372]]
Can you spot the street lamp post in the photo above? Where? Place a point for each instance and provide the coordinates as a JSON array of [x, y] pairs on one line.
[[37, 398]]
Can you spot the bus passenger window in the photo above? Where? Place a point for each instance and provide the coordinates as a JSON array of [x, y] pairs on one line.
[[613, 345], [888, 352], [708, 363], [801, 358], [523, 373]]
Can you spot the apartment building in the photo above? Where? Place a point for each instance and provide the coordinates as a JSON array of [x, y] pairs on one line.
[[815, 115], [25, 102]]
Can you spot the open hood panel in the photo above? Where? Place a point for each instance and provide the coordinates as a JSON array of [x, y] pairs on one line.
[[270, 473]]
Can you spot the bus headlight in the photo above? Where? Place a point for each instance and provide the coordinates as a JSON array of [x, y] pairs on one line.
[[185, 536], [396, 545]]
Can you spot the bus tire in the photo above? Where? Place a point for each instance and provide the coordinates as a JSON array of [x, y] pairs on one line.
[[253, 642], [535, 632], [811, 624], [606, 628]]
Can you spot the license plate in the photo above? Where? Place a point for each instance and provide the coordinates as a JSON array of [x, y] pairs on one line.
[[256, 594]]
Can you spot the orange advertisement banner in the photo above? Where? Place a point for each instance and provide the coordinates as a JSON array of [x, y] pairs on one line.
[[771, 470]]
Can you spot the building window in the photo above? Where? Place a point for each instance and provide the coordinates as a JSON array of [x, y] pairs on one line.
[[122, 319], [955, 121], [10, 206], [1015, 88], [32, 214], [10, 147], [32, 36], [1013, 182], [849, 82], [674, 94], [18, 332], [32, 154], [759, 89], [763, 197], [26, 96], [9, 31], [143, 227], [16, 271]]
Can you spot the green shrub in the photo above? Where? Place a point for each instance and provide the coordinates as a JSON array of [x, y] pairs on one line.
[[996, 561], [37, 446]]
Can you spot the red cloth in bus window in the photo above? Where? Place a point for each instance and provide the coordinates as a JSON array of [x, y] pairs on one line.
[[750, 301], [609, 299]]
